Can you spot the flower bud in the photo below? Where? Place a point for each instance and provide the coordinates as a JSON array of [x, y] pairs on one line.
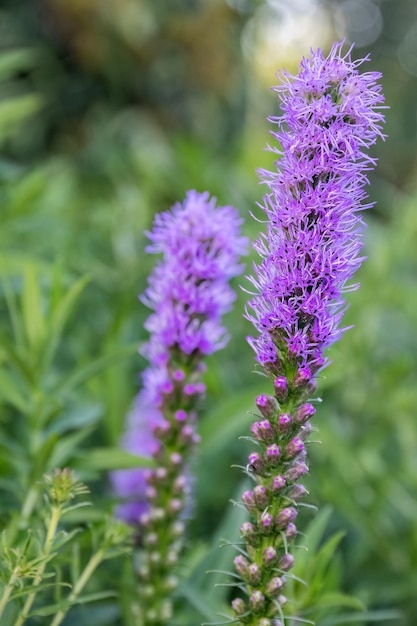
[[157, 514], [266, 405], [180, 415], [241, 565], [152, 616], [249, 533], [187, 434], [151, 493], [272, 455], [144, 519], [150, 539], [170, 583], [239, 606], [290, 531], [305, 431], [165, 612], [286, 562], [154, 558], [302, 377], [148, 591], [266, 523], [281, 388], [160, 474], [254, 574], [278, 483], [284, 422], [171, 558], [178, 375], [177, 529], [294, 447], [264, 621], [261, 496], [174, 506], [285, 516], [297, 492], [162, 430], [176, 459], [274, 586], [297, 470], [269, 556], [256, 462], [263, 431], [257, 601], [144, 571], [248, 499], [189, 389], [200, 387], [180, 484], [304, 412]]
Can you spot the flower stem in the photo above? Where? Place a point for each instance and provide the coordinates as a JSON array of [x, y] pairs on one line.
[[53, 524], [92, 564], [8, 590]]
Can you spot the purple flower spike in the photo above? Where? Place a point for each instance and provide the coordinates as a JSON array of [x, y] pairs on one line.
[[188, 293], [331, 115], [309, 252]]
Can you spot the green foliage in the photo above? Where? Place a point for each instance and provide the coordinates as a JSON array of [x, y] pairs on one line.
[[97, 135]]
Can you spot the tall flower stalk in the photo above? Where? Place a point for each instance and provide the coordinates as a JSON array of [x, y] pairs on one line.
[[188, 292], [310, 250]]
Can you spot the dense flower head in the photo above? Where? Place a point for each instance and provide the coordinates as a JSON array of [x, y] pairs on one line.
[[330, 117], [188, 292], [189, 289]]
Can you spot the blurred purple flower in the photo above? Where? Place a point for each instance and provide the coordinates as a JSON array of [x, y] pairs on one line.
[[189, 289], [188, 292], [139, 438]]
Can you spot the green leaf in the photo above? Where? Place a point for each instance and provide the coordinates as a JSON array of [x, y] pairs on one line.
[[200, 586], [227, 421], [336, 599], [12, 61], [11, 394], [33, 318], [43, 456], [84, 373], [66, 447], [59, 316], [14, 111], [30, 589], [367, 616], [52, 609], [111, 459]]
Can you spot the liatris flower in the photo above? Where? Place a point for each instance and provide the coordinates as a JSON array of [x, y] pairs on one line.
[[330, 116], [189, 292]]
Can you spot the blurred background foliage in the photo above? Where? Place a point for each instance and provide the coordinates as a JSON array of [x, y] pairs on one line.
[[109, 112]]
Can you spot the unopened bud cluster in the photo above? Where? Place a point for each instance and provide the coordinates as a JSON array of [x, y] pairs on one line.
[[277, 465], [167, 491]]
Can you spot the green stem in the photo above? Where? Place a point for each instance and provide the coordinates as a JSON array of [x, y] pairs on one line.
[[92, 564], [8, 591], [53, 524]]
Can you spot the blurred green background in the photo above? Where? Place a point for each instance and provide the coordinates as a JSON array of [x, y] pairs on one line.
[[109, 112]]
